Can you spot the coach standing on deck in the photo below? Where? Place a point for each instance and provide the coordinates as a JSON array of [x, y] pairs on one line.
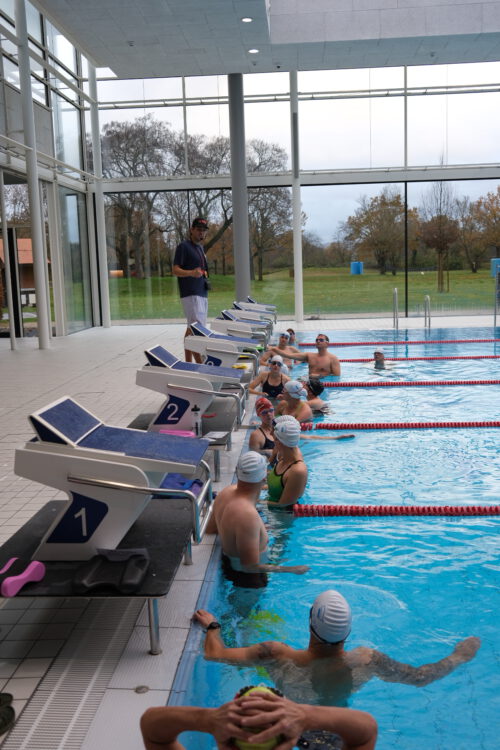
[[191, 268]]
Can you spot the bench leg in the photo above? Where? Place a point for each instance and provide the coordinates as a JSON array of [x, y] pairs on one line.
[[188, 554], [154, 627], [216, 465]]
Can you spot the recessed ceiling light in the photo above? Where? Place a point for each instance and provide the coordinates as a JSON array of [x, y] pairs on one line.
[[253, 51], [247, 19]]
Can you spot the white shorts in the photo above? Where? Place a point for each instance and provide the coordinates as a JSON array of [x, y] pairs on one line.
[[195, 309]]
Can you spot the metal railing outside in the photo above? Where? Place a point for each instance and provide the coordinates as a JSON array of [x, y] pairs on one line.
[[395, 311], [427, 311]]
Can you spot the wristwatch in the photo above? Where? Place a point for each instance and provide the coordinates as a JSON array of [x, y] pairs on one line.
[[214, 625]]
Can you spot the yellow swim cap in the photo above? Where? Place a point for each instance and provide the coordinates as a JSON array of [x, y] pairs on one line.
[[269, 744]]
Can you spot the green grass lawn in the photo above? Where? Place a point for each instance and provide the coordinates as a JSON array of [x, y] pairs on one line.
[[326, 291]]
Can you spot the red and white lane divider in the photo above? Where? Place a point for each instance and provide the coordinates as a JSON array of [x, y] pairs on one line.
[[396, 510], [306, 426], [403, 343], [408, 383]]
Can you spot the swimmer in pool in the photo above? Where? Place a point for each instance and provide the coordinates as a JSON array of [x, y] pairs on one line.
[[379, 359], [241, 530], [287, 479], [283, 343], [314, 388], [270, 383], [262, 438], [325, 672], [321, 363], [292, 401], [260, 714]]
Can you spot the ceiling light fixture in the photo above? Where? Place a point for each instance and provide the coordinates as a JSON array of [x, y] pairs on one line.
[[253, 51], [247, 19]]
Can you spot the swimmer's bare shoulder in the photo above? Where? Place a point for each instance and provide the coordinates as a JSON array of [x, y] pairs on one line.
[[359, 657]]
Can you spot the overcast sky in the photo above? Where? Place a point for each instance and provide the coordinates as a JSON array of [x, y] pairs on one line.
[[347, 133]]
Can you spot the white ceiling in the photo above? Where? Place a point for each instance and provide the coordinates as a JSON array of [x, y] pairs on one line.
[[166, 38]]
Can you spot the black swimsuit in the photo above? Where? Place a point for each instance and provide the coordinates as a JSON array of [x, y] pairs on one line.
[[268, 443], [273, 391]]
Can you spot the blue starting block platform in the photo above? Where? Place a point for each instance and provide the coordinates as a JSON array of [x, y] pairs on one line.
[[109, 474]]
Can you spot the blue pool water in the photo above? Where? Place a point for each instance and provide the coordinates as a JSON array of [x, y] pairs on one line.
[[416, 586]]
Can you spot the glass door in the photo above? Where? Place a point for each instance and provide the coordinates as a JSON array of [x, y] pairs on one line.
[[75, 260]]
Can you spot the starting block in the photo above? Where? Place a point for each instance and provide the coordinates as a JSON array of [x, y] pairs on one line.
[[109, 475]]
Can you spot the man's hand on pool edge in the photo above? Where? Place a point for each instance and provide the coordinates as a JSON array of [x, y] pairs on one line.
[[203, 617]]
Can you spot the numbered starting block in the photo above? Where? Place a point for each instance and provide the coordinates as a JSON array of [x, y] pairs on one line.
[[224, 353], [219, 375], [109, 474], [213, 390], [262, 312], [244, 343], [228, 322]]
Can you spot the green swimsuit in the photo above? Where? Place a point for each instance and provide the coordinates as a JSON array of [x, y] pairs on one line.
[[275, 484]]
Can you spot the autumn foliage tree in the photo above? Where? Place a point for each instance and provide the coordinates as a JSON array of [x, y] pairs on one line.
[[471, 238], [376, 230], [439, 229], [148, 148], [487, 215], [439, 233]]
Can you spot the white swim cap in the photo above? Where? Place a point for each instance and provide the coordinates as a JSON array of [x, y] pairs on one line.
[[296, 390], [276, 358], [284, 418], [378, 351], [288, 431], [251, 467], [330, 619]]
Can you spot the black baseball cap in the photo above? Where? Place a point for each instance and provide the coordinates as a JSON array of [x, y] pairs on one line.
[[199, 223]]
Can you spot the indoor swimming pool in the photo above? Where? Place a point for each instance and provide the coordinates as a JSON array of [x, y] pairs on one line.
[[416, 586]]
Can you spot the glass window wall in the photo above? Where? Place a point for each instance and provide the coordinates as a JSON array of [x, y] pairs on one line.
[[351, 133], [75, 254], [67, 131], [34, 22], [62, 49]]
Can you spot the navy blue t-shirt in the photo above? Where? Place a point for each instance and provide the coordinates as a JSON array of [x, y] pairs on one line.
[[190, 256]]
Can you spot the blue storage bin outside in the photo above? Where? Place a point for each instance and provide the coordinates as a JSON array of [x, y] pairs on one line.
[[356, 267], [495, 266]]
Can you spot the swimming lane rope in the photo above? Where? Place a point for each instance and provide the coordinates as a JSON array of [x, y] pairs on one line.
[[305, 426], [391, 343], [395, 383], [416, 359], [396, 510]]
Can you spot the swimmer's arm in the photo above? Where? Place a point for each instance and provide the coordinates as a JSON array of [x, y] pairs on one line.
[[216, 650], [256, 440], [390, 670], [249, 555], [335, 365], [255, 382], [327, 437], [291, 353], [161, 726], [265, 356]]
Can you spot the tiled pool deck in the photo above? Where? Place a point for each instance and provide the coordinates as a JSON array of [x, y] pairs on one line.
[[79, 670]]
